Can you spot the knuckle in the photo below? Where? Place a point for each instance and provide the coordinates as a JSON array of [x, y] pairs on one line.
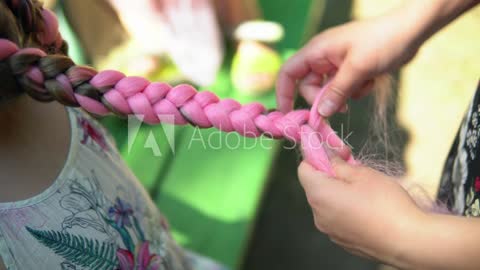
[[319, 38], [284, 70], [319, 226], [349, 172], [359, 65], [338, 92], [361, 171], [314, 200], [305, 173], [326, 229], [318, 199], [325, 34], [341, 169], [301, 171]]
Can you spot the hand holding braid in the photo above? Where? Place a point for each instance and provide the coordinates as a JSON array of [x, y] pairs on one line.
[[56, 77]]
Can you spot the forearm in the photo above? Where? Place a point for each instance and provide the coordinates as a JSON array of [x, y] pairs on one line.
[[440, 242], [423, 18]]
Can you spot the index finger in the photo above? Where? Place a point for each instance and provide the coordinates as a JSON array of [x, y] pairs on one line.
[[296, 68]]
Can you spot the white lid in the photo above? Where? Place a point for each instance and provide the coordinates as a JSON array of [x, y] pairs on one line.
[[264, 31]]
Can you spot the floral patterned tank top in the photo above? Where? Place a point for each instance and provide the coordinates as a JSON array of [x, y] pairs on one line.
[[96, 215]]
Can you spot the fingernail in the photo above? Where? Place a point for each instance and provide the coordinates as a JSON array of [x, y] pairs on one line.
[[327, 108], [330, 152]]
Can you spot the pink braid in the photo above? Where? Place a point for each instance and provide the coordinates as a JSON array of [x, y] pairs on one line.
[[109, 91]]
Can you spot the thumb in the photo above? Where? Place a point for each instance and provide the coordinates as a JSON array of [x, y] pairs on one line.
[[342, 169], [346, 81]]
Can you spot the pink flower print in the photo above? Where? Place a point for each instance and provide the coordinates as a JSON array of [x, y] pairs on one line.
[[143, 260], [89, 131], [126, 259]]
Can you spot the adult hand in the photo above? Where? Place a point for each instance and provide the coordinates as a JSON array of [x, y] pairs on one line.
[[364, 211], [353, 54]]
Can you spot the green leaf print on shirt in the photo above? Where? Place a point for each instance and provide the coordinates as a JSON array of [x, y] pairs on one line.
[[77, 249]]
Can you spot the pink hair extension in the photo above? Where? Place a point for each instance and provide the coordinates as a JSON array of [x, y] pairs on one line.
[[111, 91], [46, 33], [55, 77]]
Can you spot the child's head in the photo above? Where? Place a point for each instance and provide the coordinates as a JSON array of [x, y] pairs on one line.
[[27, 25]]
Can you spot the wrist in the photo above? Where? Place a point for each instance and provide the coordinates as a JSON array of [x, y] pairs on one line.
[[403, 251]]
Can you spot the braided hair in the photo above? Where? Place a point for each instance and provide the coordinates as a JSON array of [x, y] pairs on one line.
[[33, 60]]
